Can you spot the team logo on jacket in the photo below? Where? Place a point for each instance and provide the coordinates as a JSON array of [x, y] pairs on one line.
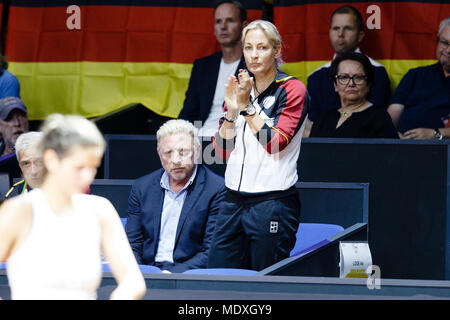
[[273, 227], [268, 102]]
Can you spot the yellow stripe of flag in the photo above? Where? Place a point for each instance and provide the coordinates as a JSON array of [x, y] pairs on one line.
[[95, 88], [396, 69]]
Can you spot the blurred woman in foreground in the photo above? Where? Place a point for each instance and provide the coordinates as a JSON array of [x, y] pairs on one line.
[[52, 237]]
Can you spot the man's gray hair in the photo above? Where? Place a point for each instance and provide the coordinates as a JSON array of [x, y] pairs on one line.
[[28, 140], [444, 23], [175, 126]]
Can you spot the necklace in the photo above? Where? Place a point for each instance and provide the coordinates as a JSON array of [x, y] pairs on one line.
[[345, 113], [257, 91]]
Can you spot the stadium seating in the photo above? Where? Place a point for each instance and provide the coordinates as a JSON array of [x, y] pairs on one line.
[[309, 235]]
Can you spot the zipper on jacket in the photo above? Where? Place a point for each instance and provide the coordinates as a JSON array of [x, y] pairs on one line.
[[243, 158], [243, 144]]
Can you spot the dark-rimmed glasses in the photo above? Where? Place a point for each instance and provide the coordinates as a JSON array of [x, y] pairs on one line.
[[344, 79]]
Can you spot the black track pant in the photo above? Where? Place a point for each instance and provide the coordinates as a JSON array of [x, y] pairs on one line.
[[254, 231]]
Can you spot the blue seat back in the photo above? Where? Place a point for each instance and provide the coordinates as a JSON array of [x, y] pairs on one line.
[[225, 271], [310, 235], [149, 269], [144, 268]]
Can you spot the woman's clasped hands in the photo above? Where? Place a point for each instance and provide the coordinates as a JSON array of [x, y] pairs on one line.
[[237, 92]]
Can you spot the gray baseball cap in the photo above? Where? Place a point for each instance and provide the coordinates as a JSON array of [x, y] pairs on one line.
[[9, 104]]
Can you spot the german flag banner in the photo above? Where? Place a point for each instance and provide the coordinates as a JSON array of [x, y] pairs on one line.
[[398, 34], [1, 17], [1, 10], [93, 57]]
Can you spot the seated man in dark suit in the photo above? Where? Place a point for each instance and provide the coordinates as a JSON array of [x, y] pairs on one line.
[[172, 211], [205, 94]]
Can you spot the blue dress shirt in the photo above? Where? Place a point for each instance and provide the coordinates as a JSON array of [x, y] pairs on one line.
[[173, 203]]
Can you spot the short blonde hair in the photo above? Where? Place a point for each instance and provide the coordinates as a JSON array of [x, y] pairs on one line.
[[175, 126], [269, 30], [62, 133]]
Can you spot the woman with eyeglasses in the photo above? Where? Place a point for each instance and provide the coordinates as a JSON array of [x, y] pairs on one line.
[[357, 117]]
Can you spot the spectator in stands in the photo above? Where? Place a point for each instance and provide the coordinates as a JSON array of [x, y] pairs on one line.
[[420, 106], [205, 94], [52, 237], [357, 117], [172, 211], [13, 122], [260, 138], [346, 33], [29, 157], [9, 85]]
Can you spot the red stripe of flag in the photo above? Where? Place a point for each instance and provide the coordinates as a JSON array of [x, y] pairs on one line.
[[112, 34]]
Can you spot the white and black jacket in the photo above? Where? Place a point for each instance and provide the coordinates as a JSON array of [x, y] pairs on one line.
[[267, 161]]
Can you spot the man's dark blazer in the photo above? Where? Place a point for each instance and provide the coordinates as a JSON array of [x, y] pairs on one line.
[[9, 164], [202, 86], [195, 227]]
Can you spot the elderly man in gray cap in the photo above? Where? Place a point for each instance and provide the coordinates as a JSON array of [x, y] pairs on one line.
[[13, 122]]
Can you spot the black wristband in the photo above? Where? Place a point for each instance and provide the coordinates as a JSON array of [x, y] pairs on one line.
[[224, 117]]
